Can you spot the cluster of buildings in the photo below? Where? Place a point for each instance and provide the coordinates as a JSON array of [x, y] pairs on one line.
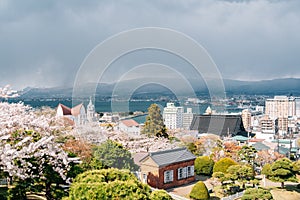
[[276, 122], [79, 115], [266, 128], [280, 119], [175, 117]]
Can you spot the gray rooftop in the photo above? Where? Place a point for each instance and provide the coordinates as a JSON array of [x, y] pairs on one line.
[[260, 146], [221, 125], [163, 158]]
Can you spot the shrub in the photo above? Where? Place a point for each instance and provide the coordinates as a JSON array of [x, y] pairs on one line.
[[253, 194], [108, 184], [160, 195], [223, 164], [199, 191], [204, 165]]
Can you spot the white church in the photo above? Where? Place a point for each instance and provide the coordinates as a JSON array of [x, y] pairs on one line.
[[78, 114]]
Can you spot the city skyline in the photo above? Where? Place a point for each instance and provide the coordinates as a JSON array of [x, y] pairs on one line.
[[44, 43]]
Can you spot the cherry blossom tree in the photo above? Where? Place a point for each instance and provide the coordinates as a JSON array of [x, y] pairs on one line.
[[28, 151]]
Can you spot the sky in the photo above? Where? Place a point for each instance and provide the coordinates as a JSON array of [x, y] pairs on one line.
[[43, 43]]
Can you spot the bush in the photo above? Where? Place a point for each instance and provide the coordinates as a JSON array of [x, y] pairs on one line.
[[199, 191], [253, 194], [3, 192], [204, 165], [160, 195], [108, 184], [223, 164]]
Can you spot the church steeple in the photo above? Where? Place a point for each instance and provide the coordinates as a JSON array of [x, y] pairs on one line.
[[90, 111]]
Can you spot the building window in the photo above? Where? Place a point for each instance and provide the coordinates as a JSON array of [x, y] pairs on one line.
[[168, 176], [144, 178], [181, 173], [190, 171]]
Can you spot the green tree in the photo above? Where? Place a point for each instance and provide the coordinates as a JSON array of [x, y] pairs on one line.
[[296, 167], [204, 165], [247, 154], [199, 191], [221, 177], [191, 147], [108, 184], [254, 194], [154, 121], [113, 154], [282, 170], [223, 164], [160, 195], [266, 170], [240, 173]]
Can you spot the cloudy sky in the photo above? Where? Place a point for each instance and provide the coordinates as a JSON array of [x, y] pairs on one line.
[[43, 43]]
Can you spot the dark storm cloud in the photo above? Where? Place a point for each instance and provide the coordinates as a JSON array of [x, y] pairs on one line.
[[42, 43]]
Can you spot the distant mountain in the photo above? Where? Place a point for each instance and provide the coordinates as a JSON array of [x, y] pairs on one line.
[[285, 86]]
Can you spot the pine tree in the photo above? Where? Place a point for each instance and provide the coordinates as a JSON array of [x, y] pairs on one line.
[[282, 170], [154, 124]]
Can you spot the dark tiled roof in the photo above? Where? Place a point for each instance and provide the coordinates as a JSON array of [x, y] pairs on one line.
[[218, 124], [163, 158]]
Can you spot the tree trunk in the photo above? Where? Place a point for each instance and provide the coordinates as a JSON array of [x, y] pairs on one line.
[[282, 185]]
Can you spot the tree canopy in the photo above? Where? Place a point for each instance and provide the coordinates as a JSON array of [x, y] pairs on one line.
[[204, 165], [223, 164], [154, 121], [281, 171], [113, 154], [108, 184]]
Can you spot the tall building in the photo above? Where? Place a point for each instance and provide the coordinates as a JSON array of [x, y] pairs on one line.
[[280, 107], [187, 118], [282, 124], [297, 102], [246, 118], [267, 125], [173, 116]]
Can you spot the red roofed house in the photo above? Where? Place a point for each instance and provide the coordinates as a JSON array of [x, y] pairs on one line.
[[129, 126], [76, 114]]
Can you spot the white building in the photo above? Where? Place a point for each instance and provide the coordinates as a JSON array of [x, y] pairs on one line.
[[77, 114], [280, 106], [173, 116], [246, 118], [129, 126], [187, 119], [109, 118], [297, 102]]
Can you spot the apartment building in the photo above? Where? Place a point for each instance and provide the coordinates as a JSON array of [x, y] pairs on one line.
[[280, 107], [173, 116]]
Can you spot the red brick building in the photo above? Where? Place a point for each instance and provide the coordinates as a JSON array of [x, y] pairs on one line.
[[166, 169]]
